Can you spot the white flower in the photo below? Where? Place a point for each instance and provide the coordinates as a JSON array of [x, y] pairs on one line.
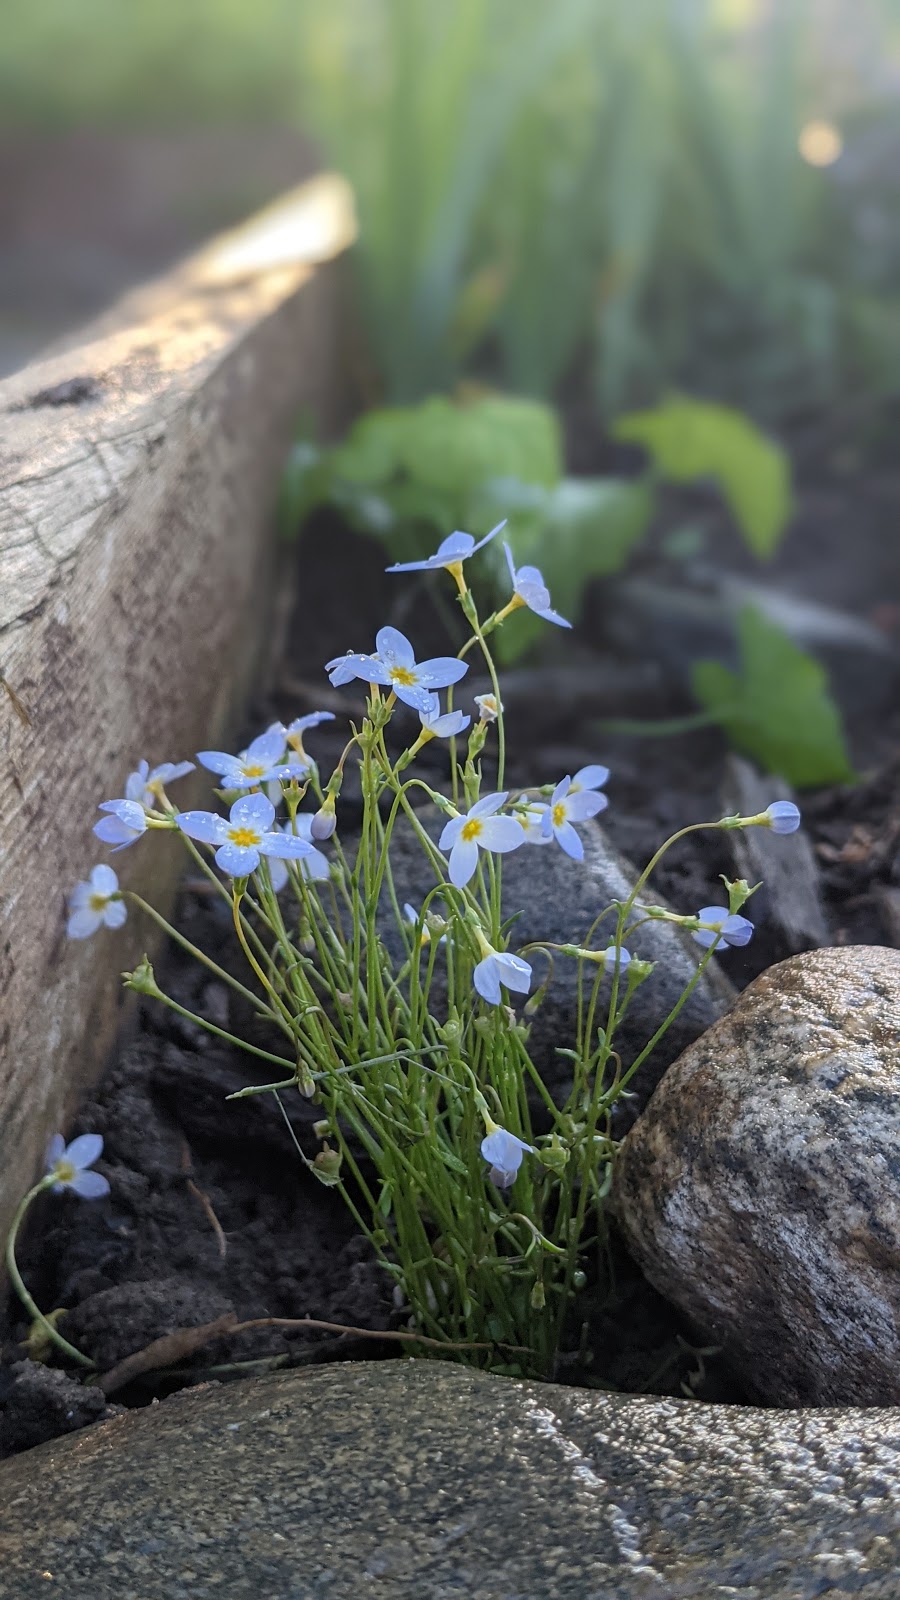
[[479, 829], [566, 808], [529, 589], [144, 786], [590, 778], [719, 924], [455, 549], [126, 821], [244, 837], [69, 1164], [489, 707], [531, 819], [438, 725], [504, 1151], [95, 904], [314, 866], [262, 761], [500, 966]]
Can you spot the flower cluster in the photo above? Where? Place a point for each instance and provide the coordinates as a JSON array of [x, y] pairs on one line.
[[408, 1025]]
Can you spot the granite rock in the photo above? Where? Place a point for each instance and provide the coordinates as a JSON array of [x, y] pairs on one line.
[[557, 900], [759, 1189], [408, 1480]]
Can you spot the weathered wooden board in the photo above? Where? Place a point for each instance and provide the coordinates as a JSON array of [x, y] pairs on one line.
[[138, 471]]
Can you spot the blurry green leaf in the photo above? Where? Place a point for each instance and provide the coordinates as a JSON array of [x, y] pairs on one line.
[[305, 484], [777, 708], [690, 439]]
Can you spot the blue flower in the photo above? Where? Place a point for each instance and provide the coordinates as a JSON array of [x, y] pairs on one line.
[[95, 904], [436, 725], [720, 925], [412, 916], [394, 666], [500, 966], [783, 815], [504, 1152], [590, 778], [262, 761], [566, 808], [479, 829], [531, 820], [144, 786], [343, 669], [69, 1164], [529, 589], [126, 822], [455, 549], [314, 866], [244, 837]]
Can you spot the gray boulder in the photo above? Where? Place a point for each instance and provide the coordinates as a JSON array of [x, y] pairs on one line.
[[558, 900], [410, 1480], [759, 1189]]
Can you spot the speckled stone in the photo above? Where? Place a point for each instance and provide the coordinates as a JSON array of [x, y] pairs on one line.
[[760, 1191], [422, 1481], [557, 899]]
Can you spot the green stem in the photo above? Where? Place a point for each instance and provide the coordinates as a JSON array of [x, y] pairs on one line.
[[16, 1278]]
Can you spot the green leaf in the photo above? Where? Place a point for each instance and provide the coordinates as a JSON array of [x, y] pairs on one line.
[[777, 708], [690, 439]]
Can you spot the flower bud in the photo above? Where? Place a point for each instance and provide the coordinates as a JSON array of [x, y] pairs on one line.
[[142, 980], [327, 1167], [324, 822]]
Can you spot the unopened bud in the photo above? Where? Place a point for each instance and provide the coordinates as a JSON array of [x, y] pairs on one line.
[[324, 822], [538, 1297], [327, 1167], [142, 980]]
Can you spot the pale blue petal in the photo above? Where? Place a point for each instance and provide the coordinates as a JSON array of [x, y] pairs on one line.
[[585, 803], [451, 832], [560, 792], [440, 672], [104, 880], [315, 866], [253, 810], [450, 724], [412, 694], [372, 670], [85, 1150], [486, 981], [394, 648], [285, 845], [784, 816], [549, 615], [312, 720], [487, 538], [463, 861], [115, 914], [278, 873], [513, 971], [237, 860], [456, 547], [510, 563], [112, 831], [88, 1185], [569, 841], [343, 669], [589, 778], [170, 770], [82, 923], [55, 1151], [501, 834], [535, 595], [738, 930], [414, 566], [268, 748], [501, 1179], [217, 761], [203, 825], [489, 803], [705, 936]]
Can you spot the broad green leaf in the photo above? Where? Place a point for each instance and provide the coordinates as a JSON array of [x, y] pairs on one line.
[[777, 707], [690, 439]]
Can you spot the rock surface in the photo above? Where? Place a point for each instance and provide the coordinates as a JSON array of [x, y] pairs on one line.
[[423, 1481], [759, 1190], [558, 900]]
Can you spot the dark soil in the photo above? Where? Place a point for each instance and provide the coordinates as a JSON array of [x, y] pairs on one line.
[[211, 1210]]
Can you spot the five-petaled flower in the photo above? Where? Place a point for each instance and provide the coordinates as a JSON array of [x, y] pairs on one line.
[[529, 589], [395, 667], [504, 1152], [69, 1164], [720, 925], [95, 904], [481, 829], [314, 866], [146, 787], [451, 554], [261, 762], [440, 725], [566, 808], [244, 837], [591, 777], [783, 816], [125, 822], [500, 966]]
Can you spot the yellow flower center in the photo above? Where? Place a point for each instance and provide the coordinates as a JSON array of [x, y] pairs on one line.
[[402, 675], [98, 902], [245, 837], [252, 770], [471, 829], [559, 814], [64, 1171]]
